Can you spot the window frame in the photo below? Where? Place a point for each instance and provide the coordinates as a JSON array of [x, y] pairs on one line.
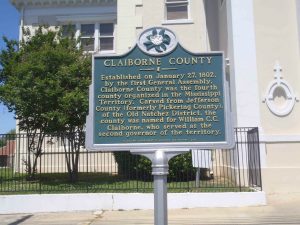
[[92, 36], [96, 35], [180, 20], [68, 29], [113, 35]]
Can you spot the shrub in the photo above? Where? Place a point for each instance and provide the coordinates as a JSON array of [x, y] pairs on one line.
[[139, 167]]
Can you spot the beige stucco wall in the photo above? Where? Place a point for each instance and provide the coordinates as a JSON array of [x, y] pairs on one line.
[[281, 175], [135, 15], [277, 40], [128, 20]]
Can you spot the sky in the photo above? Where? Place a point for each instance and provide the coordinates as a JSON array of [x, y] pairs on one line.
[[9, 27]]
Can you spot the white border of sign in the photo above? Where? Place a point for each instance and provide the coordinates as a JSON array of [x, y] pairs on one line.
[[166, 146]]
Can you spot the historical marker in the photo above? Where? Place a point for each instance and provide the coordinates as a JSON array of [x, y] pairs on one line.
[[159, 96], [159, 100]]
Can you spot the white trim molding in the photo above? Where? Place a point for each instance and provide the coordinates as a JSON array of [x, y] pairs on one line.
[[87, 18], [281, 89], [280, 138], [52, 3], [174, 22]]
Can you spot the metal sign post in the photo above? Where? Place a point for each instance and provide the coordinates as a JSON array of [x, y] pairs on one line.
[[160, 171]]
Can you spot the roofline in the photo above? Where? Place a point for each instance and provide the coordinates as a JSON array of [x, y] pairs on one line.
[[19, 4]]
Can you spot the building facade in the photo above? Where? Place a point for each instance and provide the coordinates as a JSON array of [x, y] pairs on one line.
[[260, 39]]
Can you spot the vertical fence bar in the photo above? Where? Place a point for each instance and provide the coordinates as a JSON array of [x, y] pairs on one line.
[[87, 170], [259, 162], [40, 173], [238, 161]]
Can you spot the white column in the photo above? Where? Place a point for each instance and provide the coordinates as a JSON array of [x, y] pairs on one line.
[[96, 36], [243, 67], [77, 33]]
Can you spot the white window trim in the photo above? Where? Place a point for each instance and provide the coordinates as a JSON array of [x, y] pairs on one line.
[[87, 36], [77, 33], [178, 21], [103, 36], [96, 36], [181, 21], [87, 18]]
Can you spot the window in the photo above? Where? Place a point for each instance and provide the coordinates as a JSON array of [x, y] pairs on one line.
[[177, 9], [68, 30], [87, 37], [106, 37], [93, 37]]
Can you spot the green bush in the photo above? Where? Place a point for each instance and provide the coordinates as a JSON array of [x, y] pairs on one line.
[[139, 167], [181, 168], [133, 166]]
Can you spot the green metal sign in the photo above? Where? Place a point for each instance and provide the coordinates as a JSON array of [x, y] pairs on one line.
[[159, 96]]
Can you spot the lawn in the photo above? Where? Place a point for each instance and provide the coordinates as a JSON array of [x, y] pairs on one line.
[[11, 183]]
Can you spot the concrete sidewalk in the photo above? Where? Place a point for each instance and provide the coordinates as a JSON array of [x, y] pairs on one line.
[[283, 210]]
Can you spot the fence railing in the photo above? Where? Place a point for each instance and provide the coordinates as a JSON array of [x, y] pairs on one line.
[[218, 170]]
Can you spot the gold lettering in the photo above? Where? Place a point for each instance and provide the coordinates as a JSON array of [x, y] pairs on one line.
[[194, 60], [209, 60], [172, 61], [120, 63], [137, 62], [144, 62], [106, 62], [151, 62], [130, 62], [158, 61]]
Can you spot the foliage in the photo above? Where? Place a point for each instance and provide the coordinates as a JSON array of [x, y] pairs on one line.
[[10, 135], [12, 132], [45, 83], [133, 166], [72, 142], [180, 167], [2, 142]]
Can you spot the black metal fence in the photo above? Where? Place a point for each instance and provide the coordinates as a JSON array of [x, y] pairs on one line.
[[218, 170]]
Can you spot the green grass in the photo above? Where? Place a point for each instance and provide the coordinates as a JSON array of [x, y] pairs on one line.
[[6, 172], [100, 183]]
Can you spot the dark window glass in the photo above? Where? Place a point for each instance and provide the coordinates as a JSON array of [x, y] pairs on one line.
[[68, 30], [106, 43], [87, 44], [175, 12], [87, 30], [106, 29]]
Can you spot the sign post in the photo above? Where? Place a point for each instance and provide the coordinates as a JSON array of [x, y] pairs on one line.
[[159, 100], [160, 171]]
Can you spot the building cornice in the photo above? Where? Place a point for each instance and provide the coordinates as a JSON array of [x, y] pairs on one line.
[[19, 4]]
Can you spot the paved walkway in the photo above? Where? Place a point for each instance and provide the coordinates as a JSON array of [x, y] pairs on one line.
[[281, 210]]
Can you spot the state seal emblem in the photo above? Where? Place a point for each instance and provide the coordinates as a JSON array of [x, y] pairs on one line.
[[157, 41]]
